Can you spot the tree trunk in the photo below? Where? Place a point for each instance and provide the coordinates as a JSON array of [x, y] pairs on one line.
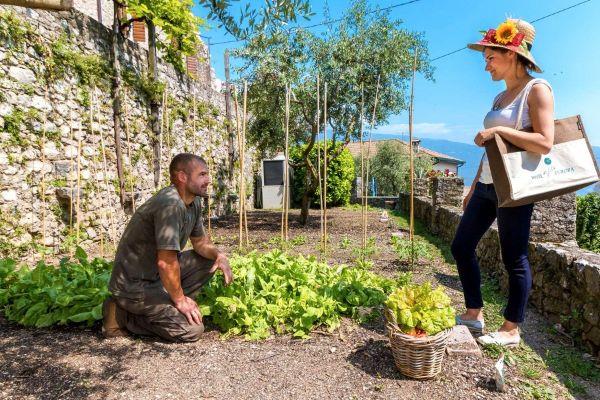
[[116, 37], [154, 105]]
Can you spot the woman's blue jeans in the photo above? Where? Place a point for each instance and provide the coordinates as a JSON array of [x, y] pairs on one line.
[[513, 229]]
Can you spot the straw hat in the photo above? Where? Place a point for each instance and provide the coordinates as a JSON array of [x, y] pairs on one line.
[[513, 34]]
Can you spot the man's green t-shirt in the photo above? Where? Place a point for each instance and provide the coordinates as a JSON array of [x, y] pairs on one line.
[[163, 222]]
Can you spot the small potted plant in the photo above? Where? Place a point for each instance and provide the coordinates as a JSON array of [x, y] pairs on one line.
[[419, 319]]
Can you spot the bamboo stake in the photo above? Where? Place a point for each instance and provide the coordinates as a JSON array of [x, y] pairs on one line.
[[325, 171], [78, 195], [241, 165], [70, 175], [363, 209], [102, 212], [410, 146], [162, 133], [244, 156], [368, 161], [286, 189], [194, 149], [210, 186], [319, 157], [105, 166], [42, 180]]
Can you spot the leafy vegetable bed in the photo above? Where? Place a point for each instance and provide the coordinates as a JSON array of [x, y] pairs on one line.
[[272, 292], [291, 294]]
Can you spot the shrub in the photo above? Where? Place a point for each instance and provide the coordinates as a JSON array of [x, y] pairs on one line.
[[340, 174], [588, 221]]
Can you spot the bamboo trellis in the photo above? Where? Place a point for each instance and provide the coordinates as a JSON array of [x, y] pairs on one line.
[[286, 186], [107, 187], [126, 123], [241, 150]]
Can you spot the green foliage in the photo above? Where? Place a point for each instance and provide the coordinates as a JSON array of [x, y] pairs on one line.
[[251, 19], [345, 242], [90, 69], [298, 240], [406, 251], [176, 20], [419, 308], [340, 174], [151, 90], [14, 31], [369, 250], [569, 362], [12, 125], [588, 221], [390, 167], [289, 294], [46, 295]]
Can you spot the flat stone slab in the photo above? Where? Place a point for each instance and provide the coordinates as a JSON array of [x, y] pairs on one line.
[[461, 342]]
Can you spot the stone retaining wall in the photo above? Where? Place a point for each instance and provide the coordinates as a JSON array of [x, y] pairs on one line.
[[56, 102], [566, 279]]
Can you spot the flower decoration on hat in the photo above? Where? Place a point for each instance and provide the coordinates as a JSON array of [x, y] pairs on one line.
[[506, 32]]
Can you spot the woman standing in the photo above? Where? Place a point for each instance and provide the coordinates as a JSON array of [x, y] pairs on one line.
[[507, 54]]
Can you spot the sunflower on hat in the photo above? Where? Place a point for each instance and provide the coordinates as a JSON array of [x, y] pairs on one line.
[[506, 32]]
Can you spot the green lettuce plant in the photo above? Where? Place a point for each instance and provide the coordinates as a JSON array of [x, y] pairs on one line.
[[420, 310]]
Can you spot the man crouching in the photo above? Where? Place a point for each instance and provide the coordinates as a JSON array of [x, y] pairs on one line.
[[154, 282]]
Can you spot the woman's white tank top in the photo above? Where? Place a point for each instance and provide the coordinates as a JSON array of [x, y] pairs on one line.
[[507, 116]]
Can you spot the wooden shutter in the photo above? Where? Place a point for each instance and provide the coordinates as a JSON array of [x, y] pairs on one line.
[[139, 31]]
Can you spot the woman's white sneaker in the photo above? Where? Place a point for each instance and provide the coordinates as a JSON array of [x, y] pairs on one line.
[[500, 339]]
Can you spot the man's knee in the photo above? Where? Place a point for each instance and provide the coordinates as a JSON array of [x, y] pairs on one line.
[[189, 333]]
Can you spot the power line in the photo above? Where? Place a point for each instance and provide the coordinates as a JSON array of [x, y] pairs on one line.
[[535, 20], [328, 22]]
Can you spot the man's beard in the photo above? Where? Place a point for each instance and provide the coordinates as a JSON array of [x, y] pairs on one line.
[[199, 191]]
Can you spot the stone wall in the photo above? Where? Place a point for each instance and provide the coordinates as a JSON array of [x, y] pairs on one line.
[[566, 279], [57, 137]]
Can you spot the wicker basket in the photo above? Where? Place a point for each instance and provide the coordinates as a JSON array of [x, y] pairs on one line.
[[418, 358]]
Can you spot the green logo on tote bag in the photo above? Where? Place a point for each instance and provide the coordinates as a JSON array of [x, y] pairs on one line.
[[547, 161]]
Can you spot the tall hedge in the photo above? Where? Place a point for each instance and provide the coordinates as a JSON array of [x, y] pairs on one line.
[[588, 221], [340, 174]]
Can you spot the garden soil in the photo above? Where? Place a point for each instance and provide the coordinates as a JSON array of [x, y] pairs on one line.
[[353, 362]]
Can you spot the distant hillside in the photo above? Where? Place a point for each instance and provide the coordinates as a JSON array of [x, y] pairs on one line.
[[471, 154]]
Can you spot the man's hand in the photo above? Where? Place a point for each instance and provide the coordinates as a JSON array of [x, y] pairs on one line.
[[189, 308], [222, 263], [485, 135]]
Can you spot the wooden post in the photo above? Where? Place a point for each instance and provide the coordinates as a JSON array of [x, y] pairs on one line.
[[57, 5], [154, 106]]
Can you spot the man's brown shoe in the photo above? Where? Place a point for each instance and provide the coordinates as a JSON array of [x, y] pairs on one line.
[[110, 325]]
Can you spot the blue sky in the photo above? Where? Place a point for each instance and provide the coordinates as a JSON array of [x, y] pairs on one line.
[[452, 107]]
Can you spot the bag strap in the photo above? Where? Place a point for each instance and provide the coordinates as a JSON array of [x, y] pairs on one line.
[[524, 96]]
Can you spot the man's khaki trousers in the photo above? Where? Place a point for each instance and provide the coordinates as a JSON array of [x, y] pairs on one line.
[[155, 313]]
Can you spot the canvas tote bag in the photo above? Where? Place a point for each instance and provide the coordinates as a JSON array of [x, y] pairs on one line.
[[523, 177]]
